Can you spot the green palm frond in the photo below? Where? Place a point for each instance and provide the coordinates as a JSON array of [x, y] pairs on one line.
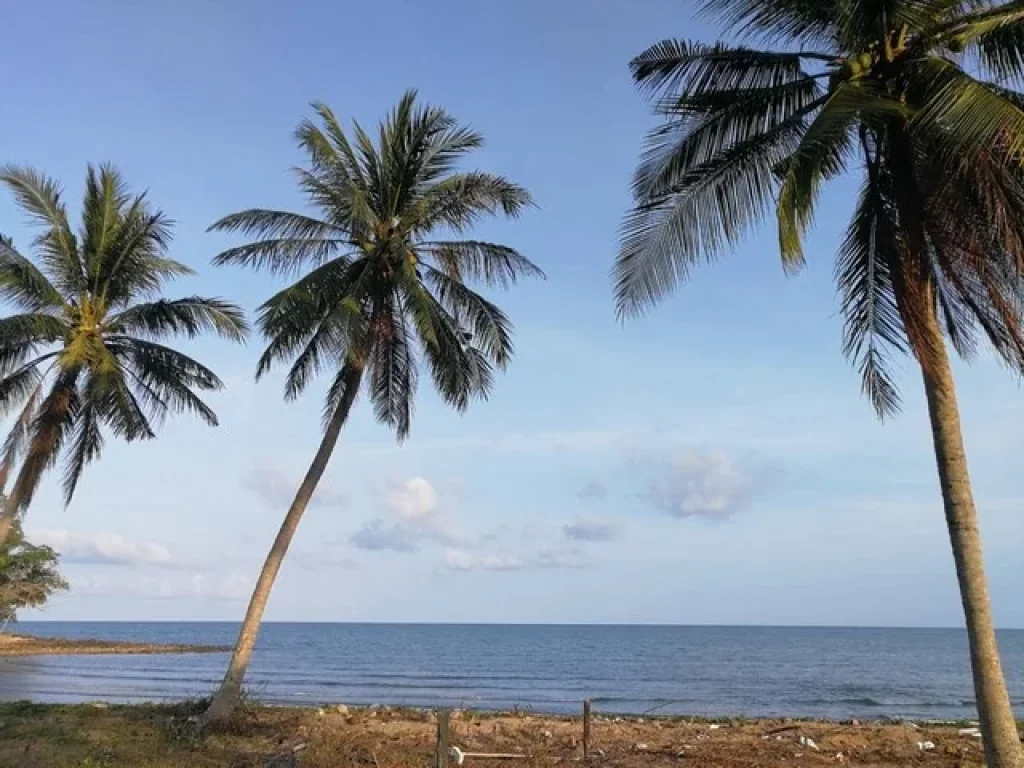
[[25, 285], [894, 86], [477, 261], [387, 286], [873, 330], [822, 154], [190, 317], [88, 305]]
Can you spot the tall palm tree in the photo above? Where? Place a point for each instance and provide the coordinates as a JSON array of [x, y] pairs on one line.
[[81, 353], [386, 289], [916, 96]]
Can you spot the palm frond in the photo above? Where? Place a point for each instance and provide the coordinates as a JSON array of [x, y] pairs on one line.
[[190, 316], [53, 422], [86, 444], [392, 370], [803, 21], [487, 326], [689, 69], [23, 284], [822, 154], [461, 200], [475, 260], [40, 198], [712, 206], [872, 329], [17, 439]]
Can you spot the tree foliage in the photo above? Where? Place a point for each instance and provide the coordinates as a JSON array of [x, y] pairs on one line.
[[28, 575], [82, 354], [385, 264], [915, 95]]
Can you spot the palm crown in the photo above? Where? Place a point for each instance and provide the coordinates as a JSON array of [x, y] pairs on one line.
[[896, 87], [389, 272], [81, 352]]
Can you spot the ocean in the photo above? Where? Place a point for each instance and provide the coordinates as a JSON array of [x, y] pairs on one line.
[[832, 673]]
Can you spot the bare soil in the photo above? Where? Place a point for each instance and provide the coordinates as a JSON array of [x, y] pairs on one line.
[[98, 736], [27, 645]]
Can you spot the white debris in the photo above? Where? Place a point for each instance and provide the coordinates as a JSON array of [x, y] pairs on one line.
[[548, 735], [341, 709], [808, 742], [975, 732], [714, 727], [641, 747], [925, 746]]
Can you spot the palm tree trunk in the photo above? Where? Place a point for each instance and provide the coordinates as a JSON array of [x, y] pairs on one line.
[[998, 727], [229, 694]]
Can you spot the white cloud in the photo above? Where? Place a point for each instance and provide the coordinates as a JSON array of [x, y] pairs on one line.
[[230, 587], [459, 560], [102, 548], [593, 491], [694, 484], [377, 535], [593, 529], [277, 487], [418, 519], [414, 500]]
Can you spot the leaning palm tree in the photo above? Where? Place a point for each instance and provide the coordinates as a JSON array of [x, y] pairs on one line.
[[916, 96], [81, 354], [386, 289]]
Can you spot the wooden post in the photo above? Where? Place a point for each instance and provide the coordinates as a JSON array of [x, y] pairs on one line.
[[586, 728], [441, 757]]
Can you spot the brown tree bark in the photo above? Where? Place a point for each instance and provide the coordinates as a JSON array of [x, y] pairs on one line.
[[998, 727], [229, 694]]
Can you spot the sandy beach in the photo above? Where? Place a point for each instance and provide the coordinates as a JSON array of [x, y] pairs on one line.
[[34, 736]]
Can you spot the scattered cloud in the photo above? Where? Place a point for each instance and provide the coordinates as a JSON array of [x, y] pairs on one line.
[[377, 536], [695, 484], [102, 548], [593, 491], [229, 587], [461, 561], [414, 508], [276, 486], [592, 529]]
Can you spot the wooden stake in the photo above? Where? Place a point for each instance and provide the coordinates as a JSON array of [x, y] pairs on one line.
[[441, 757]]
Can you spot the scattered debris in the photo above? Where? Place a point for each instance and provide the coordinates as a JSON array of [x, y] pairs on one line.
[[925, 746], [974, 732], [548, 735], [808, 742], [714, 727], [460, 757], [640, 747]]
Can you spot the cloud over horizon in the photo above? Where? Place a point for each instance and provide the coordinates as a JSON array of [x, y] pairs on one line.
[[700, 484], [102, 548], [592, 529], [277, 487], [414, 517]]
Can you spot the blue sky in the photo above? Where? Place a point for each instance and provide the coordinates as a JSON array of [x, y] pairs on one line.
[[712, 462]]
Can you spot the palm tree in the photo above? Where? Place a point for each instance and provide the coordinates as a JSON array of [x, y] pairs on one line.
[[385, 290], [935, 249], [81, 354]]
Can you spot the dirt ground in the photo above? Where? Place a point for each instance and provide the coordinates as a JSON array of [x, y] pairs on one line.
[[98, 736], [27, 645]]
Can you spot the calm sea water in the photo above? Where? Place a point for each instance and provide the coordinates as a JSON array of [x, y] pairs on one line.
[[756, 671]]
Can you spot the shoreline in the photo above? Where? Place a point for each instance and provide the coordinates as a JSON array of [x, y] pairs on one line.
[[38, 735], [12, 645]]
